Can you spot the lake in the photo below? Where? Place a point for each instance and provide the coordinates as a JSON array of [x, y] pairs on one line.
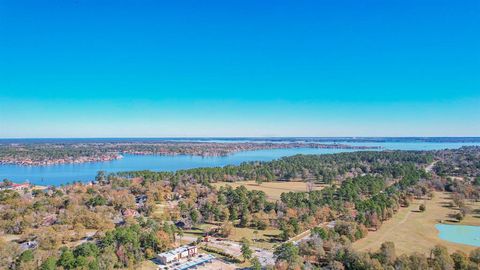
[[461, 234], [67, 173]]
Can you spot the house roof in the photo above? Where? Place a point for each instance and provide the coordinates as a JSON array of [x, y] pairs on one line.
[[15, 185], [173, 253], [168, 255]]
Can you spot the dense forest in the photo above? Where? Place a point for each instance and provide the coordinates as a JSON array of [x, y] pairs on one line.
[[320, 168]]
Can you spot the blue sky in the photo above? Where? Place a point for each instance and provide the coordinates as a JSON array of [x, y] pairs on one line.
[[239, 68]]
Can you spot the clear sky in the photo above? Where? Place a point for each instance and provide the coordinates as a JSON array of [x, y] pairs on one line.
[[239, 68]]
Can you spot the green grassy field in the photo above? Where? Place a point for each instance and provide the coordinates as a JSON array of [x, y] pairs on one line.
[[272, 189], [412, 230]]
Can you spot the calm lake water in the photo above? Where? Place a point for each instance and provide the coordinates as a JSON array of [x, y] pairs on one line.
[[66, 173], [462, 234]]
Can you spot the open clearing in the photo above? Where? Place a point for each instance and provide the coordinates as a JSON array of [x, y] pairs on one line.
[[263, 238], [412, 230], [217, 265], [9, 237], [148, 265], [272, 189]]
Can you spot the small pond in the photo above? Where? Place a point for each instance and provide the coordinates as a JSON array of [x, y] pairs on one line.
[[461, 234]]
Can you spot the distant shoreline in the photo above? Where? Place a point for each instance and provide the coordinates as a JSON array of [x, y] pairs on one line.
[[440, 139], [44, 154]]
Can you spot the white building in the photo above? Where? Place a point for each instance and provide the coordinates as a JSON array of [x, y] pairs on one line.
[[177, 254], [167, 257]]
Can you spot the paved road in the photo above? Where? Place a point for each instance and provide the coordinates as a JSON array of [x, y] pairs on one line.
[[265, 257]]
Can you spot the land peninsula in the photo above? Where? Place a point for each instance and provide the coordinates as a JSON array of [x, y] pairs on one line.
[[35, 154]]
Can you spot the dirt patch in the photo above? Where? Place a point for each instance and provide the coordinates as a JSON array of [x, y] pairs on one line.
[[217, 265]]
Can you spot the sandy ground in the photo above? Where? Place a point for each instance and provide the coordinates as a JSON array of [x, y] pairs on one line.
[[217, 265], [9, 237], [272, 189], [35, 187], [412, 230]]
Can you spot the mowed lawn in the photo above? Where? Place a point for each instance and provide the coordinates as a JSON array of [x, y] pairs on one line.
[[272, 189], [265, 239], [412, 230]]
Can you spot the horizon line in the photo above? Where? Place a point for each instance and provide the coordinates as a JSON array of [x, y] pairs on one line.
[[238, 137]]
